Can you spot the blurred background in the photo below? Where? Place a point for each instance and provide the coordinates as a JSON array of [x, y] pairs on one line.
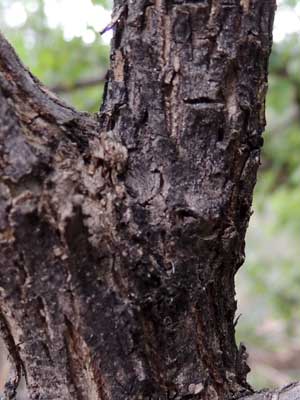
[[59, 41]]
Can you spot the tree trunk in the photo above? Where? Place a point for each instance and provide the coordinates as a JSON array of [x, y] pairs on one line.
[[121, 232]]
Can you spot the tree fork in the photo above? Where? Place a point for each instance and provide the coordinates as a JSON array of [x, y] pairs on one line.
[[121, 232]]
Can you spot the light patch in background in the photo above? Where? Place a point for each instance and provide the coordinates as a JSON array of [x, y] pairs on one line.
[[287, 21], [32, 6], [81, 18], [15, 15], [77, 18]]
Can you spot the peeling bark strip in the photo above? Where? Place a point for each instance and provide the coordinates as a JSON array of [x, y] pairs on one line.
[[121, 234]]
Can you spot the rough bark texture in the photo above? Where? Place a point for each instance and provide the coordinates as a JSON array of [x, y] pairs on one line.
[[121, 233]]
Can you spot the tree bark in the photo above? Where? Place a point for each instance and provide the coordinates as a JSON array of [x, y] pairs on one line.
[[121, 232]]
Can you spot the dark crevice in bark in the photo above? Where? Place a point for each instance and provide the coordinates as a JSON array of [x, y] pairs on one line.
[[200, 100]]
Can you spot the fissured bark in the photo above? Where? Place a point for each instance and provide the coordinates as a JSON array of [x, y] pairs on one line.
[[121, 232]]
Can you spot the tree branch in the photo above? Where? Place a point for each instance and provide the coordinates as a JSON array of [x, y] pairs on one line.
[[58, 184]]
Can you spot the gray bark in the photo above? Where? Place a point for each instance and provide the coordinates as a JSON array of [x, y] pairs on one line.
[[121, 232]]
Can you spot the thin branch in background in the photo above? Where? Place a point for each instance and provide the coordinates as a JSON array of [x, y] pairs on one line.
[[85, 83]]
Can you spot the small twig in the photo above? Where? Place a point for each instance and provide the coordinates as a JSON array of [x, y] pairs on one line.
[[236, 320], [114, 19], [66, 88]]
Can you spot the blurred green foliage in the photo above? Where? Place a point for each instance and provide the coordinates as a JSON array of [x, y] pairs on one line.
[[268, 285], [52, 58]]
